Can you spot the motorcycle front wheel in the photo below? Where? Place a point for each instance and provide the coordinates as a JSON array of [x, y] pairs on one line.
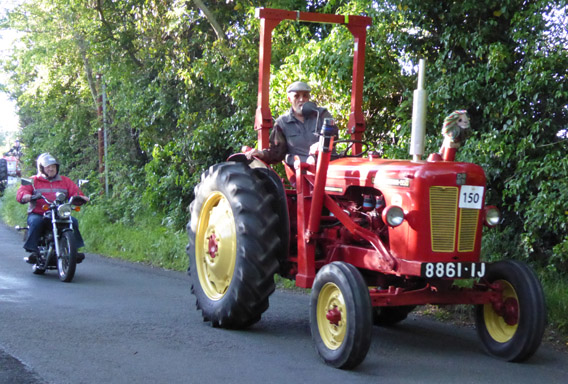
[[67, 259]]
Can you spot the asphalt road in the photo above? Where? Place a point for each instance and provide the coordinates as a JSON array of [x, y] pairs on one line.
[[119, 322]]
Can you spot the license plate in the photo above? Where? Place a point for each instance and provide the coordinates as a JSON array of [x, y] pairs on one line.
[[453, 270]]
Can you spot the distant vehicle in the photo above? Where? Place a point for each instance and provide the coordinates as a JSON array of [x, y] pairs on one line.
[[9, 168]]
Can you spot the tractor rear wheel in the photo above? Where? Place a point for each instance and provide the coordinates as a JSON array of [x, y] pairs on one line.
[[232, 246], [3, 170], [340, 315], [513, 329], [3, 174]]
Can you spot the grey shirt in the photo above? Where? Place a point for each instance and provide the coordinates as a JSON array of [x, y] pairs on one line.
[[290, 137]]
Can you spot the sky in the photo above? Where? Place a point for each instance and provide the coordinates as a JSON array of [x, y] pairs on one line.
[[8, 117]]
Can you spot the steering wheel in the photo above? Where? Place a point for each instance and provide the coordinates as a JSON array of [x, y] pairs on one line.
[[350, 143]]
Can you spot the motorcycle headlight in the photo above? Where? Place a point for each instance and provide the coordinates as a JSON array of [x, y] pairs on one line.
[[64, 210]]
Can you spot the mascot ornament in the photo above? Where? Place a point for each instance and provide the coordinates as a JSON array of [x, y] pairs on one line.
[[455, 129]]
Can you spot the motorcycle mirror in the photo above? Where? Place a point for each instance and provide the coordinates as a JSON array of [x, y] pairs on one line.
[[25, 181], [81, 182], [309, 108]]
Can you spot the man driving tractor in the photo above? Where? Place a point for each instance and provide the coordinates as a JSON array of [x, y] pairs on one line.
[[295, 131]]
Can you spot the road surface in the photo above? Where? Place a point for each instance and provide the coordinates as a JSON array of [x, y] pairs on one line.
[[120, 322]]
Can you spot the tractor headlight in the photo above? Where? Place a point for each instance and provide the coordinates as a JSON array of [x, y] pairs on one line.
[[492, 216], [393, 215], [64, 210]]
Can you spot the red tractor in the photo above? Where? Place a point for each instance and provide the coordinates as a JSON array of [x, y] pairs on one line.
[[9, 169], [373, 238]]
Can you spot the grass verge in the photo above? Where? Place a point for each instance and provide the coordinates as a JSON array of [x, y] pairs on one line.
[[12, 213], [143, 240]]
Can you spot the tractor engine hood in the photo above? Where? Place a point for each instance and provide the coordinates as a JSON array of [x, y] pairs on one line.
[[430, 196], [385, 175]]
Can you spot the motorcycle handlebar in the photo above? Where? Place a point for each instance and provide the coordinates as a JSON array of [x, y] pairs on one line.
[[36, 196]]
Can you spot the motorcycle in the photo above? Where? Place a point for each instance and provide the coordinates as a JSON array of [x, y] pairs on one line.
[[57, 245]]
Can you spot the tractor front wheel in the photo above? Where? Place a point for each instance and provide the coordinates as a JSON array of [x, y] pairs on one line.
[[512, 329], [232, 246], [341, 315]]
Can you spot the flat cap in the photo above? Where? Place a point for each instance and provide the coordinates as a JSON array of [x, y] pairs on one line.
[[298, 86]]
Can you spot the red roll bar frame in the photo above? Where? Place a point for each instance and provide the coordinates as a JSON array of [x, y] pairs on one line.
[[269, 19]]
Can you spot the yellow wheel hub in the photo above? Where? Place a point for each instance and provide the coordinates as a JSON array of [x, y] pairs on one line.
[[331, 316], [502, 326], [216, 246]]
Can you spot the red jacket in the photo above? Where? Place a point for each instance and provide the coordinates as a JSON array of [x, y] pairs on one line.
[[48, 189]]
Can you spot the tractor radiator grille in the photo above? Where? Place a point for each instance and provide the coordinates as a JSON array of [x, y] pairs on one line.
[[468, 229], [443, 219], [443, 214]]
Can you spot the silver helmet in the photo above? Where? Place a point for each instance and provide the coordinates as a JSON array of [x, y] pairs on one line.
[[44, 160]]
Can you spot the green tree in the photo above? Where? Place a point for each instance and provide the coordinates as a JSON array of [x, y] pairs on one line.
[[181, 81], [48, 85], [506, 63]]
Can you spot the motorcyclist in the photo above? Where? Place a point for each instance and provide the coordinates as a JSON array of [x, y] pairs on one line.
[[48, 182]]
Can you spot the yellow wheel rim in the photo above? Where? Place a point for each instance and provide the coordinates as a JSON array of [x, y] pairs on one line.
[[216, 245], [331, 316], [495, 323]]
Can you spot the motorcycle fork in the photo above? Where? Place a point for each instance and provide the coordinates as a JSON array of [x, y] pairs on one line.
[[56, 233]]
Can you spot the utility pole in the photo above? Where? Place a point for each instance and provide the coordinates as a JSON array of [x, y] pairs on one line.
[[102, 139], [105, 137]]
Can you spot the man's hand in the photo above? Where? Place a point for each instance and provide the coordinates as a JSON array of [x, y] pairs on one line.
[[27, 197], [86, 198], [36, 196], [314, 148], [251, 153]]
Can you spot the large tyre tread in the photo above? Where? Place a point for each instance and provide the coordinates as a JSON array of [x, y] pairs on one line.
[[3, 170], [253, 279], [3, 174], [273, 185]]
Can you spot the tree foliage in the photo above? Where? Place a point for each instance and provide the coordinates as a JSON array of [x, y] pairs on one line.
[[505, 63], [181, 83]]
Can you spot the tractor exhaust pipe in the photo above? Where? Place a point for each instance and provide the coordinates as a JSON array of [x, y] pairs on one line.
[[419, 115]]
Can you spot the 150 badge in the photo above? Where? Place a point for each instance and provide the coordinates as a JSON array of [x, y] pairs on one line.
[[471, 196]]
